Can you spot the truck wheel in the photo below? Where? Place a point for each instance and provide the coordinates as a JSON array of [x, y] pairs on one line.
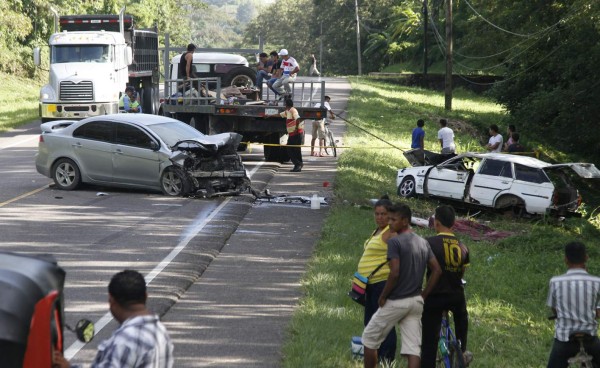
[[240, 77]]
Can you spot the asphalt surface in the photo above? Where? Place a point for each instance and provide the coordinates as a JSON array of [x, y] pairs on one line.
[[224, 273], [237, 313]]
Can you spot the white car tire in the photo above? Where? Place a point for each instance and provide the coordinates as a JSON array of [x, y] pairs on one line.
[[66, 174], [407, 187]]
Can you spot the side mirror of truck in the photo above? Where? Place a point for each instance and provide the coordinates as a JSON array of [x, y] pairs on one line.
[[37, 59], [129, 55]]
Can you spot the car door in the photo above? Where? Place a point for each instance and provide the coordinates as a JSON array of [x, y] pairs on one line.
[[135, 157], [448, 179], [92, 147], [493, 177], [533, 186]]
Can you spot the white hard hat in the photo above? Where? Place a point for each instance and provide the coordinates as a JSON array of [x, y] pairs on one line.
[[283, 52]]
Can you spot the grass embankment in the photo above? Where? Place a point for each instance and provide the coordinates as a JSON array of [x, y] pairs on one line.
[[507, 281], [18, 101]]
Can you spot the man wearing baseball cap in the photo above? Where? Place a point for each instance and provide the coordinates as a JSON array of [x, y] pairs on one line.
[[290, 68]]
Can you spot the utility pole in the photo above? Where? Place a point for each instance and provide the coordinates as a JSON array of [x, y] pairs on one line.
[[321, 49], [425, 24], [448, 89], [358, 38]]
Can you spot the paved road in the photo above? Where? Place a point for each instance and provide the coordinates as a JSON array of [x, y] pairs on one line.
[[173, 241]]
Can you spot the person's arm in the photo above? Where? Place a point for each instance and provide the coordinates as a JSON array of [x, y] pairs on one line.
[[188, 65], [436, 273], [390, 284], [126, 103], [422, 141]]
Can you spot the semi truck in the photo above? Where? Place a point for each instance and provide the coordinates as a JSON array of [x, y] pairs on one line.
[[203, 103], [92, 59]]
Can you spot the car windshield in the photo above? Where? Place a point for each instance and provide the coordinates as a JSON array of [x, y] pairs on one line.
[[80, 54], [174, 131]]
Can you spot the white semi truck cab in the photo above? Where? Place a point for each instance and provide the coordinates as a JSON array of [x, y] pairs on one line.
[[92, 61]]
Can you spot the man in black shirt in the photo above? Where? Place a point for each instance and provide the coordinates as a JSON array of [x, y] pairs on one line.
[[448, 293], [185, 70]]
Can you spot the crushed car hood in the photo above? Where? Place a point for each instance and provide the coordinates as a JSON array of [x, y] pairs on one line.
[[211, 143]]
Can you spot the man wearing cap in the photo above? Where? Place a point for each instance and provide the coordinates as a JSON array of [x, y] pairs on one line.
[[290, 68]]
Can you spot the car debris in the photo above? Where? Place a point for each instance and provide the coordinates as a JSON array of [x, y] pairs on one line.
[[211, 166]]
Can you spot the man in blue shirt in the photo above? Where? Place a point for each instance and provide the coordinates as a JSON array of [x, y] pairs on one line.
[[418, 135]]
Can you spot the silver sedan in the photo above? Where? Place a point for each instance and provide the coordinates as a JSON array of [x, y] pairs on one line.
[[141, 151]]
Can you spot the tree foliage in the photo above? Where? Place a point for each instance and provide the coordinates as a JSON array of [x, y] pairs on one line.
[[25, 24]]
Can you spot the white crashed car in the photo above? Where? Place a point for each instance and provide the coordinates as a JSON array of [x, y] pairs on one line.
[[497, 180]]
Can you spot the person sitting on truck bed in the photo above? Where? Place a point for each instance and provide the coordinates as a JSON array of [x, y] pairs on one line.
[[275, 71], [289, 68], [262, 69], [129, 102]]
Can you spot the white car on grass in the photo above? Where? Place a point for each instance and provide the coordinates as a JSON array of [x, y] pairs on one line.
[[499, 181]]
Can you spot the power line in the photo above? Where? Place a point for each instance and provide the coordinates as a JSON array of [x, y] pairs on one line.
[[507, 31]]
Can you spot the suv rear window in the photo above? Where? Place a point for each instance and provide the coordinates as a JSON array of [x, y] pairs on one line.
[[530, 174]]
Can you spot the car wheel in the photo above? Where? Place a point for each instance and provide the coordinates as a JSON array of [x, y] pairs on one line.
[[174, 182], [407, 187], [240, 77], [66, 174]]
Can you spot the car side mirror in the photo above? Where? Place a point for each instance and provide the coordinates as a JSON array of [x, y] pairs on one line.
[[84, 330], [154, 146]]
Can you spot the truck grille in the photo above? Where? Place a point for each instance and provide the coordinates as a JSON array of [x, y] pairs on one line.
[[82, 91]]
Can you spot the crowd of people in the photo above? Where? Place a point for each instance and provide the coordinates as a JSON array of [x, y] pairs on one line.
[[445, 138], [397, 261]]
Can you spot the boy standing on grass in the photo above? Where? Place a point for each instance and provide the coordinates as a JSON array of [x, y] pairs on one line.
[[448, 294], [401, 300], [575, 301]]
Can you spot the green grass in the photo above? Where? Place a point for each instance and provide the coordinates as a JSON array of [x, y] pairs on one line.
[[507, 280], [18, 101]]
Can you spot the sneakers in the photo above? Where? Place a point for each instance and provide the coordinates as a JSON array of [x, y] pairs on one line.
[[468, 357]]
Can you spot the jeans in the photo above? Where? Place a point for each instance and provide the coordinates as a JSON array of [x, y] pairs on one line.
[[295, 153], [270, 83], [432, 321], [562, 351], [387, 350], [283, 83], [260, 76]]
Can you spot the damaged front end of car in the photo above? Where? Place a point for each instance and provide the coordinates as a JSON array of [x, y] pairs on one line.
[[211, 165]]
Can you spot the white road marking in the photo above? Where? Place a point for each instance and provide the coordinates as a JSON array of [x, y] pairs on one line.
[[20, 142], [191, 231]]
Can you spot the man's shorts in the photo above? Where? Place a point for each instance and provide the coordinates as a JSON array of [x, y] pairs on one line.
[[318, 129], [407, 313]]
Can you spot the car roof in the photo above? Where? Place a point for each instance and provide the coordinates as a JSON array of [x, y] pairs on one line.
[[139, 119], [523, 160], [214, 58]]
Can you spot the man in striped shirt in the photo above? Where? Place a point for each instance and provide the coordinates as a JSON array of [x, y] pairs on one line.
[[142, 340], [575, 300]]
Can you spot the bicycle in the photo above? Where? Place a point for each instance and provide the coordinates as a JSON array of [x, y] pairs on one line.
[[582, 359], [449, 351], [329, 140]]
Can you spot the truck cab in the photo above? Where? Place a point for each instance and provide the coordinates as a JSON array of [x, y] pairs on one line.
[[92, 60], [88, 70]]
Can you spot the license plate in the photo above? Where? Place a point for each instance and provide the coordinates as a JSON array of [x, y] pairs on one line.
[[271, 111]]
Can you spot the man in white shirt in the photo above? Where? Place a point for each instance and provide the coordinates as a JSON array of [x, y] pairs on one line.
[[495, 142], [289, 68], [446, 138]]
